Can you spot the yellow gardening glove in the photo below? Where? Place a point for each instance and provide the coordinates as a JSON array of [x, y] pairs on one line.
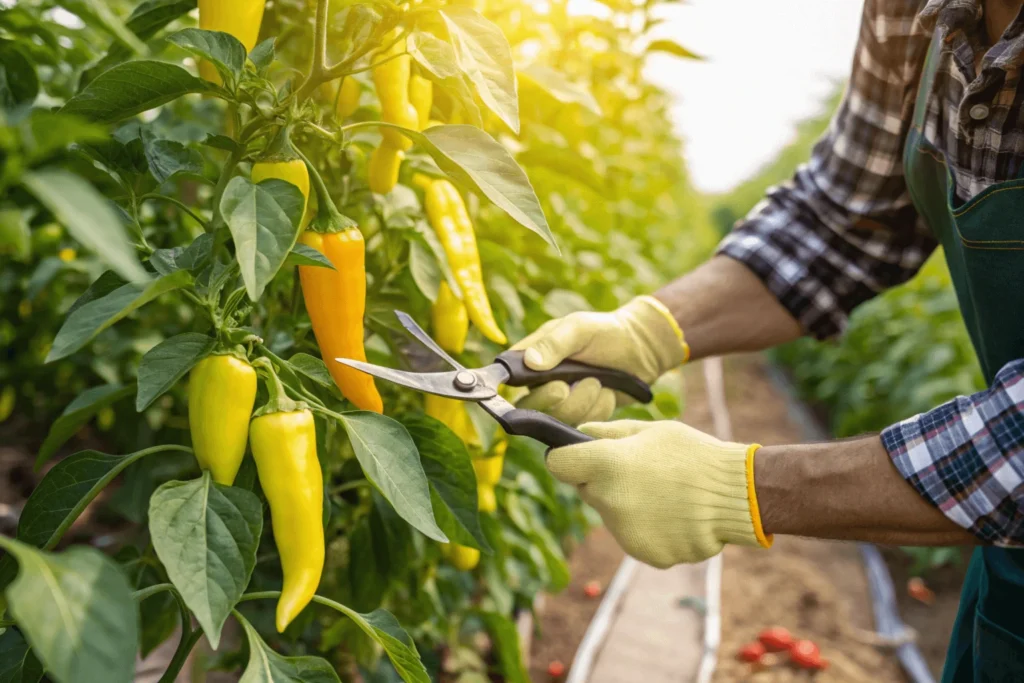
[[641, 338], [668, 492]]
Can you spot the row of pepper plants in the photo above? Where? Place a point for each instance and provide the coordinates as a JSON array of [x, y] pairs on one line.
[[191, 252]]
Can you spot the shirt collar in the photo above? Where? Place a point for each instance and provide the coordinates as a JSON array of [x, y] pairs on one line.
[[950, 15]]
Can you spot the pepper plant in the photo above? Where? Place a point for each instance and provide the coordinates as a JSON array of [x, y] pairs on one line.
[[241, 228]]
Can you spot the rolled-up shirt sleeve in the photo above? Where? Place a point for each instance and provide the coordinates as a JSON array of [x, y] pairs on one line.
[[966, 457], [844, 228]]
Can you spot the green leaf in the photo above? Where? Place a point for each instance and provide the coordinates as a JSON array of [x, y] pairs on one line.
[[262, 55], [48, 131], [382, 626], [302, 255], [167, 362], [66, 490], [85, 322], [78, 412], [672, 48], [557, 84], [167, 158], [19, 84], [89, 218], [483, 54], [98, 13], [190, 258], [145, 21], [433, 54], [132, 88], [266, 666], [206, 535], [475, 159], [76, 611], [426, 273], [313, 368], [264, 221], [17, 663], [223, 50], [559, 303], [15, 237], [449, 470], [390, 461], [505, 638]]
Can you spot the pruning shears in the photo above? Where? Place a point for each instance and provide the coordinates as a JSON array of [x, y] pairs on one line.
[[480, 385]]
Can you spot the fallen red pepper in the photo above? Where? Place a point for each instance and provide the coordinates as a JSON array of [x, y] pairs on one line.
[[776, 639]]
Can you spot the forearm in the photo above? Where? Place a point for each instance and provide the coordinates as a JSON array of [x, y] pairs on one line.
[[846, 490], [722, 307]]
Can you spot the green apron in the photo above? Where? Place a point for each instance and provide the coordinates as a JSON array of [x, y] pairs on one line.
[[984, 244]]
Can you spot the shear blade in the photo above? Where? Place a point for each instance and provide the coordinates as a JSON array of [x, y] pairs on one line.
[[437, 383]]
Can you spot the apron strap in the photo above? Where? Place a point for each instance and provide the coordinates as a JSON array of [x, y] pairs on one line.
[[924, 87]]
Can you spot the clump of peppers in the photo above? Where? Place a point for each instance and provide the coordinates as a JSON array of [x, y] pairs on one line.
[[281, 161], [283, 438], [221, 394], [336, 299], [240, 18], [450, 219]]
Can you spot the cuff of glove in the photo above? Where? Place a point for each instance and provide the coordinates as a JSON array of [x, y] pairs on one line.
[[764, 540], [739, 517], [657, 319]]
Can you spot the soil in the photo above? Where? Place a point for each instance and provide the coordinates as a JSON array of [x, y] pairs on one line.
[[816, 589], [564, 617]]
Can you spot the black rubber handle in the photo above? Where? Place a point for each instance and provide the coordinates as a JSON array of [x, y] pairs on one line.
[[541, 427], [571, 371]]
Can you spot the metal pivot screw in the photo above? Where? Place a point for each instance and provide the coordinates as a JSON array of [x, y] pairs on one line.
[[465, 380]]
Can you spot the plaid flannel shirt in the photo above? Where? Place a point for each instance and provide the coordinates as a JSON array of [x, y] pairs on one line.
[[844, 228]]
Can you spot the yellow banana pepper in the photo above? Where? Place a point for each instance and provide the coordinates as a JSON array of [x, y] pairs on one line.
[[221, 394], [450, 219], [283, 437], [240, 18], [451, 322]]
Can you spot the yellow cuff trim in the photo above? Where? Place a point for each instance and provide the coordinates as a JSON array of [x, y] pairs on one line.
[[661, 308], [755, 510]]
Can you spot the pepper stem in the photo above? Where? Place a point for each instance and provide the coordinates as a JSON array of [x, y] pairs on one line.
[[328, 218], [279, 401], [281, 148]]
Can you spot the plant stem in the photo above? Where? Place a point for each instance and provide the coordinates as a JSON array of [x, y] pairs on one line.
[[350, 486], [144, 593], [181, 205], [189, 638], [318, 63], [376, 64], [222, 183]]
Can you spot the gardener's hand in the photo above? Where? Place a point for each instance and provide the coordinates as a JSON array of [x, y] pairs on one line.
[[641, 338], [668, 492]]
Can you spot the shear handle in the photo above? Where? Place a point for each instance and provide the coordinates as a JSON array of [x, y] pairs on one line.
[[541, 427], [571, 371]]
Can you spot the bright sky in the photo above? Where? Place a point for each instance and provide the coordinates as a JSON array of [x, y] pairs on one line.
[[770, 64]]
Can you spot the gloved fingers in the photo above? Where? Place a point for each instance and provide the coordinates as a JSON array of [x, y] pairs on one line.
[[581, 399], [535, 336], [545, 397], [602, 408], [568, 336], [580, 464], [619, 429]]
